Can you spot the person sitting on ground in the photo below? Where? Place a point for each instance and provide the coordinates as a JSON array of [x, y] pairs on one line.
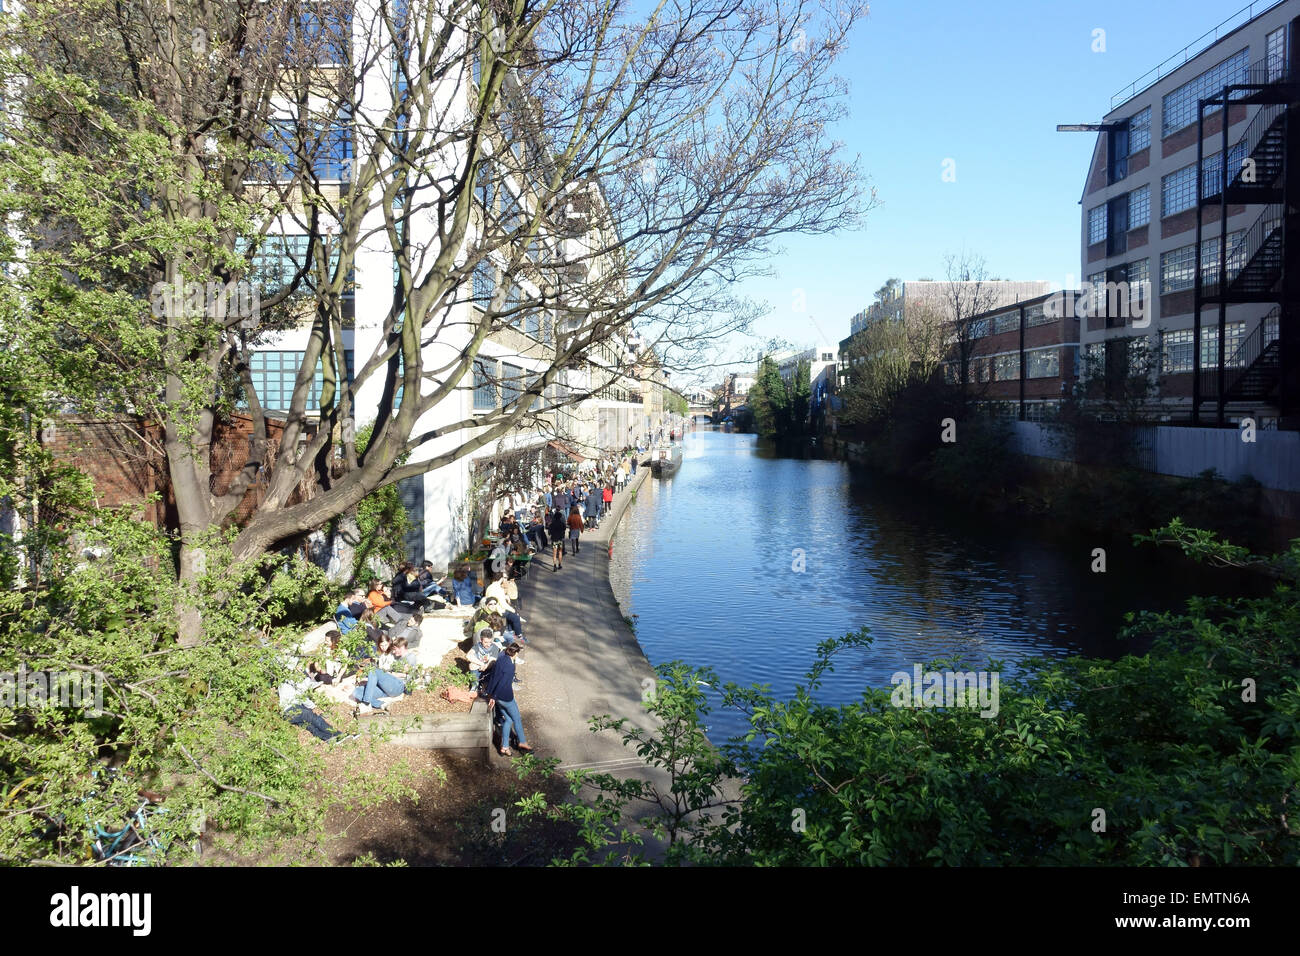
[[494, 605], [463, 588], [487, 648], [407, 592], [506, 590], [432, 587], [383, 656], [411, 632], [379, 683], [301, 712], [360, 604], [403, 657], [346, 614], [381, 602]]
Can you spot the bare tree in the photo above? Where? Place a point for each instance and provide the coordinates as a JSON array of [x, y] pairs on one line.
[[966, 293], [555, 174], [888, 357]]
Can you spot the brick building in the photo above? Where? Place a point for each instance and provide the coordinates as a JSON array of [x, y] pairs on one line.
[[1024, 357]]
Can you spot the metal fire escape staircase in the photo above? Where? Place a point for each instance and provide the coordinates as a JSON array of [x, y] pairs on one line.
[[1253, 268]]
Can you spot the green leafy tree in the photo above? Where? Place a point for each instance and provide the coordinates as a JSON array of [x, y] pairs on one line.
[[768, 400]]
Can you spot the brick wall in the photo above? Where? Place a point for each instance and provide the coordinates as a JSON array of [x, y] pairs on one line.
[[123, 457]]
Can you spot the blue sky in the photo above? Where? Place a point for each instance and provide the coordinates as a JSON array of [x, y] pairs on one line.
[[982, 84]]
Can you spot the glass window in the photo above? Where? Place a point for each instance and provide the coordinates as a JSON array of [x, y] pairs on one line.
[[484, 283], [485, 393], [329, 147], [1097, 225], [1275, 54], [1043, 363], [1179, 107], [1178, 191], [274, 374], [1139, 131], [1176, 347], [512, 382], [1006, 368], [1177, 269], [979, 328], [1210, 256], [1212, 172], [1007, 321], [278, 259], [323, 35], [1139, 207], [1139, 278], [1037, 315]]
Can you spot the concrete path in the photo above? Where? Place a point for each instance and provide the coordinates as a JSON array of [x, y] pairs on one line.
[[582, 659]]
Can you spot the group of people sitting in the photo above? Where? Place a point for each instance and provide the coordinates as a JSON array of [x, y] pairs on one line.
[[389, 616], [388, 657]]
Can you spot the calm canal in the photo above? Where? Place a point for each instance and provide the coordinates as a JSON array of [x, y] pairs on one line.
[[705, 560]]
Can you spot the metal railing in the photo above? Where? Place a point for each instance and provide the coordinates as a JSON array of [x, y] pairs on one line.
[[1268, 70], [1244, 249], [1245, 147], [1199, 45], [1243, 357]]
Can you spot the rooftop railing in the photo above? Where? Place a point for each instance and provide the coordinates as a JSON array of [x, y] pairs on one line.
[[1192, 50]]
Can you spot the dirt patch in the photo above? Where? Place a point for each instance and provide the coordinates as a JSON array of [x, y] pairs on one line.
[[462, 813]]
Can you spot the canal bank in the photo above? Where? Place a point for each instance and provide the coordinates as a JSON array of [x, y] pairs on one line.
[[582, 658]]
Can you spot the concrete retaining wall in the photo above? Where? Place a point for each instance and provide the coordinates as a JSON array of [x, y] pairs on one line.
[[1272, 459]]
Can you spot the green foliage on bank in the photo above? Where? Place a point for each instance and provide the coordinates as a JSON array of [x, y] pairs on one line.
[[780, 409], [1186, 755]]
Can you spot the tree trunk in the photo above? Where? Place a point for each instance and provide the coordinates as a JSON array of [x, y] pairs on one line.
[[343, 543], [189, 620]]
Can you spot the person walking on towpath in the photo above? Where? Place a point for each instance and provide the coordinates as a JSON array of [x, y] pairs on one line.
[[575, 527]]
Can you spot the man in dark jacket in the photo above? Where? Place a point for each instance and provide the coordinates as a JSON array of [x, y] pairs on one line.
[[592, 511], [561, 501]]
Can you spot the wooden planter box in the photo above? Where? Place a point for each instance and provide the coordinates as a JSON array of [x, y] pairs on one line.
[[465, 732]]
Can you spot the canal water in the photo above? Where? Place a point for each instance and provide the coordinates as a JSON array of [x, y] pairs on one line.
[[744, 562]]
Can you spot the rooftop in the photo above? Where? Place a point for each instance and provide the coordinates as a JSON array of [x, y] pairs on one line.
[[1193, 49]]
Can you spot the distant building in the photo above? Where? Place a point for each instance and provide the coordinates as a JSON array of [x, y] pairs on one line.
[[1024, 357], [910, 297]]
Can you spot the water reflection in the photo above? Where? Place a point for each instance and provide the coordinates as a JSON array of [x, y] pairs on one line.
[[709, 561]]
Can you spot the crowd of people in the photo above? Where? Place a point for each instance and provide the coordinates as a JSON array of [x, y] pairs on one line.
[[376, 638], [551, 518]]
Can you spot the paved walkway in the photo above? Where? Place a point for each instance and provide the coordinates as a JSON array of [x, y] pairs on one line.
[[582, 659]]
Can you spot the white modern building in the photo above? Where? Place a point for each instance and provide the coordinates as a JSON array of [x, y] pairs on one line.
[[611, 411]]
